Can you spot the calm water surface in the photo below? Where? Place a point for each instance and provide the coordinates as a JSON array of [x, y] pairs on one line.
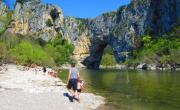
[[134, 90]]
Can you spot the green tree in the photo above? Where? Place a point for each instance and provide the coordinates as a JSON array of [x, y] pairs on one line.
[[108, 60], [60, 50], [147, 40]]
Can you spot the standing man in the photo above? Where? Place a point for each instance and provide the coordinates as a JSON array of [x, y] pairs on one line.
[[72, 81]]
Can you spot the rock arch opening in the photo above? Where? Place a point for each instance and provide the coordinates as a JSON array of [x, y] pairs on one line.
[[119, 47], [108, 59], [96, 52]]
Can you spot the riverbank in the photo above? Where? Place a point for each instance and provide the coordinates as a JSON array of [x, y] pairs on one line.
[[142, 66], [30, 89]]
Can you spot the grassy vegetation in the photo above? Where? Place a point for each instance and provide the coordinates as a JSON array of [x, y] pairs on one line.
[[108, 57], [162, 50], [25, 51]]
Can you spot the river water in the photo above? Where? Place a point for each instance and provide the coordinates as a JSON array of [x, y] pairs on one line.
[[134, 90]]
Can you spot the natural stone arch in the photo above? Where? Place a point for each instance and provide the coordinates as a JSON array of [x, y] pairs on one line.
[[120, 50], [96, 51]]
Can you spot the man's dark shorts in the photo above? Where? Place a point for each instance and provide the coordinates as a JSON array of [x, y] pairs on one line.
[[73, 84]]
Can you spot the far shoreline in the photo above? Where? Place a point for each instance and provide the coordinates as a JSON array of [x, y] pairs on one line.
[[143, 66]]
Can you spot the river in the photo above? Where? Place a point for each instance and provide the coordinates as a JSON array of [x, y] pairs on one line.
[[132, 89]]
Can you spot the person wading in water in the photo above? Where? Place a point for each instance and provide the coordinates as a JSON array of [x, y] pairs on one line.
[[72, 81]]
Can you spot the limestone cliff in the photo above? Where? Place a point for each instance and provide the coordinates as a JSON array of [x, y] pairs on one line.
[[119, 29], [35, 18], [45, 21]]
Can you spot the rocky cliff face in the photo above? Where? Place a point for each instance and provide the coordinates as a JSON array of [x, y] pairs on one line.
[[33, 17], [119, 29], [3, 16], [45, 21]]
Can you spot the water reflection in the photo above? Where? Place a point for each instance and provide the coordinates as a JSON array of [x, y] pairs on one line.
[[136, 90]]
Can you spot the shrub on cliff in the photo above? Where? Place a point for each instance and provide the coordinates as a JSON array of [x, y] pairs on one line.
[[59, 49], [25, 50], [146, 40]]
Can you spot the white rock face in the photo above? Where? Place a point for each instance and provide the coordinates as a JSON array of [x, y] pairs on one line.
[[33, 90], [152, 66], [142, 66]]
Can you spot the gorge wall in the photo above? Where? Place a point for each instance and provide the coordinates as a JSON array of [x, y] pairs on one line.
[[119, 29], [122, 28]]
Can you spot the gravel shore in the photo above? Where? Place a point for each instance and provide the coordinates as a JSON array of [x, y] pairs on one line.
[[33, 90]]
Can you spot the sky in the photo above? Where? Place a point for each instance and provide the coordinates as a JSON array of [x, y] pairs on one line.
[[85, 8]]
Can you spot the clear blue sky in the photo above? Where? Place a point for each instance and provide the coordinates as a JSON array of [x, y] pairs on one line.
[[85, 8]]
